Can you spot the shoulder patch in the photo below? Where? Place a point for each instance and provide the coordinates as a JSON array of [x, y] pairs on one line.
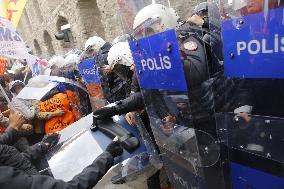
[[190, 45]]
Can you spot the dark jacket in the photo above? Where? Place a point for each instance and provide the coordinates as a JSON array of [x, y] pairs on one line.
[[10, 156], [11, 178], [10, 136], [132, 103], [209, 89]]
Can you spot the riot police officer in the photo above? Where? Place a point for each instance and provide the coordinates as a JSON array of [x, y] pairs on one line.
[[197, 110], [121, 63], [113, 87]]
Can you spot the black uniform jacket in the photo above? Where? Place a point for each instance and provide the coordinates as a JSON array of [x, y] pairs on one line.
[[11, 178]]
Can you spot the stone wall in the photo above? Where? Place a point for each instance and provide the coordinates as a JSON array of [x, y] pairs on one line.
[[42, 19]]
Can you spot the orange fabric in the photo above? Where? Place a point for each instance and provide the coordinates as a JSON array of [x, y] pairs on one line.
[[75, 104], [59, 101], [95, 90], [2, 129], [3, 65]]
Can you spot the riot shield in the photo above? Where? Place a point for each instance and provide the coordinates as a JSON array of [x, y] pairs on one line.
[[90, 74], [255, 150], [78, 139], [67, 100], [171, 65], [248, 89]]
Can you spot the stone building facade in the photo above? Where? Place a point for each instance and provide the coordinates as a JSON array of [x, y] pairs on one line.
[[42, 19]]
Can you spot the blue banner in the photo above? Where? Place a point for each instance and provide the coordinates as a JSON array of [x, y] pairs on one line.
[[244, 177], [36, 69], [254, 45], [157, 62], [89, 71]]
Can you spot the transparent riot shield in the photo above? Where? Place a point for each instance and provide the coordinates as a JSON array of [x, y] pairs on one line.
[[248, 89], [91, 76], [171, 66], [56, 103], [254, 150]]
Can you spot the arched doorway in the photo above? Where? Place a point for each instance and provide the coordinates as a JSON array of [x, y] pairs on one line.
[[61, 21], [48, 43], [37, 47], [90, 18]]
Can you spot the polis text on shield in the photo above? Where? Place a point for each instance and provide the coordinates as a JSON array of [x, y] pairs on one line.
[[161, 63], [255, 46]]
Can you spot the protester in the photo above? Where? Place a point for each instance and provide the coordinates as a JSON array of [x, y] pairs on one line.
[[15, 178]]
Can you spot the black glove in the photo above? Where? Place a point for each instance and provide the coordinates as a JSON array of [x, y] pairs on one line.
[[105, 112], [50, 140], [114, 149]]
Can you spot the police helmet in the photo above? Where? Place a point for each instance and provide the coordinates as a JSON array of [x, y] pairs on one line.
[[154, 18], [94, 44]]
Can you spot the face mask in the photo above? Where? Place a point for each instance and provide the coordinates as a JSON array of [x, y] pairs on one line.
[[123, 72]]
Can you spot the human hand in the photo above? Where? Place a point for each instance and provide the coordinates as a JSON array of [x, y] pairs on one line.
[[105, 112], [130, 118], [106, 69], [16, 120], [168, 124], [51, 140], [243, 119], [59, 113], [114, 148]]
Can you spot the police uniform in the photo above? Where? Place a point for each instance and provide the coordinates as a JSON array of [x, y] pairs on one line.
[[208, 89], [114, 88]]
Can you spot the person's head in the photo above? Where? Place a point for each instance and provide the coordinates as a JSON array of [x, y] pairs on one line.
[[120, 60], [93, 45], [54, 64], [24, 62], [254, 6], [16, 87], [153, 19], [201, 11], [69, 67], [71, 59], [55, 61]]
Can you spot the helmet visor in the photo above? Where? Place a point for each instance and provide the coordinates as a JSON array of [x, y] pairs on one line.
[[145, 29]]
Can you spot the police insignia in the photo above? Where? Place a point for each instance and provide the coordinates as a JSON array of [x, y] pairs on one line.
[[190, 45]]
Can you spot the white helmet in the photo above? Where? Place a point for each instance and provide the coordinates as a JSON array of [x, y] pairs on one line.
[[120, 53], [55, 60], [95, 43], [71, 59], [157, 17]]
